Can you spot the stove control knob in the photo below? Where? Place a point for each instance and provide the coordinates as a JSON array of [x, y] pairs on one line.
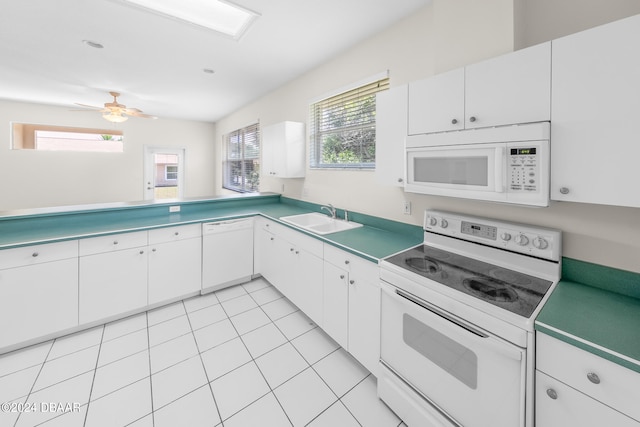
[[521, 240], [444, 223], [433, 221], [505, 236], [540, 243]]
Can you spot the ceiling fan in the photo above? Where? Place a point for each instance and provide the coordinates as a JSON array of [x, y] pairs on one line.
[[116, 112]]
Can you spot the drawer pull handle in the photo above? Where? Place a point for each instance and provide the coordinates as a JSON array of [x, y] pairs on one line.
[[342, 276], [115, 242], [176, 233], [593, 377], [35, 254], [552, 393], [346, 262], [141, 252], [352, 282]]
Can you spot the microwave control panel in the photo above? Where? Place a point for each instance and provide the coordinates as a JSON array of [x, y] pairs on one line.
[[524, 169]]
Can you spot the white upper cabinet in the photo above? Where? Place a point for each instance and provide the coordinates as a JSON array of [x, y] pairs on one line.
[[436, 104], [509, 89], [283, 150], [595, 106], [391, 131]]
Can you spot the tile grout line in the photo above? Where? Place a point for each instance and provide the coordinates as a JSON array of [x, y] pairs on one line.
[[338, 398], [204, 368], [35, 380], [251, 361], [95, 372], [153, 421]]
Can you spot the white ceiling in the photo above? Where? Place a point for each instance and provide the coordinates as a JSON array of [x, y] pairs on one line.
[[156, 63]]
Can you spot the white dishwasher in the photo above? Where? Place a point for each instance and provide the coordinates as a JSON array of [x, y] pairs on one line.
[[227, 253]]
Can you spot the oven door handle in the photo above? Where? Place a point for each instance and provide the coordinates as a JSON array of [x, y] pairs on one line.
[[508, 350], [440, 313]]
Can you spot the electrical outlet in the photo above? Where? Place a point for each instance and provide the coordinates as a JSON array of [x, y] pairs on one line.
[[173, 209], [406, 207]]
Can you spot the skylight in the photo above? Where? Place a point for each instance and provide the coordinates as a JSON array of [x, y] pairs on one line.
[[217, 15]]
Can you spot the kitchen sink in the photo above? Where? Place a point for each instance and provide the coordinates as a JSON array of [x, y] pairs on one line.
[[319, 223]]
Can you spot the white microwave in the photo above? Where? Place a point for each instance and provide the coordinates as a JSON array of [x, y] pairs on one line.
[[508, 164]]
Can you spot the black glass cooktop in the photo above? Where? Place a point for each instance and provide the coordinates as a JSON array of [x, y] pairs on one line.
[[511, 290]]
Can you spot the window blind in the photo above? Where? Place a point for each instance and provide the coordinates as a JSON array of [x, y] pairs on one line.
[[242, 159], [343, 128]]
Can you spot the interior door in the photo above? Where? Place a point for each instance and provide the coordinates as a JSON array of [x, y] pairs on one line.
[[163, 173]]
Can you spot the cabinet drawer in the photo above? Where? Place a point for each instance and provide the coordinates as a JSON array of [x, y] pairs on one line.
[[114, 242], [558, 405], [357, 267], [608, 382], [37, 254], [170, 234], [304, 242], [272, 226]]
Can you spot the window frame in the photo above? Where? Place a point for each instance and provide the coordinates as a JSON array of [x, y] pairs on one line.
[[247, 135], [341, 105], [24, 136], [167, 172]]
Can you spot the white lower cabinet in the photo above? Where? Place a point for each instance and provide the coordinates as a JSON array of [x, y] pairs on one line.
[[292, 262], [577, 388], [175, 262], [335, 312], [558, 405], [127, 272], [39, 291], [115, 282], [351, 311]]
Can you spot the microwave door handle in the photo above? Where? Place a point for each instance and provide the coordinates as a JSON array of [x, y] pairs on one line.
[[499, 177]]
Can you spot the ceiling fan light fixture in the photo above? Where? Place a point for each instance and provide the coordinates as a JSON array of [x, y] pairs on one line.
[[221, 16], [114, 117]]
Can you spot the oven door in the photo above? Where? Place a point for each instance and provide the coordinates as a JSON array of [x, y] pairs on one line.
[[454, 369]]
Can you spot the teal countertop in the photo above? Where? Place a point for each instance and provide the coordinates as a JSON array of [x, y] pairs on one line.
[[597, 309], [377, 239]]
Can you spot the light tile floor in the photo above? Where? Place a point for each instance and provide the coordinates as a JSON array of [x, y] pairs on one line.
[[241, 357]]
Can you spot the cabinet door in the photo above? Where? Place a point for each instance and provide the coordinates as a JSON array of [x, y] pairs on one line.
[[558, 405], [335, 318], [283, 149], [364, 322], [391, 131], [595, 113], [112, 283], [307, 291], [38, 300], [174, 269], [436, 104], [509, 89]]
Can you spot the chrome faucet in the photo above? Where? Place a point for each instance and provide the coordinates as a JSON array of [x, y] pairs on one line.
[[331, 209]]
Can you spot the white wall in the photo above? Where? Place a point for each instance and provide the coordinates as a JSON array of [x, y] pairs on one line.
[[33, 178], [444, 35]]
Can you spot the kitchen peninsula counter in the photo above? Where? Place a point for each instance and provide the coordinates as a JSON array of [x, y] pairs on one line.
[[377, 239]]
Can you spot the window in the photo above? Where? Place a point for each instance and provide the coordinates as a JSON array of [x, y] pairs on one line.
[[242, 160], [171, 172], [61, 138], [343, 128]]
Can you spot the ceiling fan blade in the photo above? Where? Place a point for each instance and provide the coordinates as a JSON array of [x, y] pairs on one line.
[[89, 106], [134, 112]]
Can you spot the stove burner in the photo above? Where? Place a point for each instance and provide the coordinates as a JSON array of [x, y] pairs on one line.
[[424, 264], [509, 276], [489, 289]]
